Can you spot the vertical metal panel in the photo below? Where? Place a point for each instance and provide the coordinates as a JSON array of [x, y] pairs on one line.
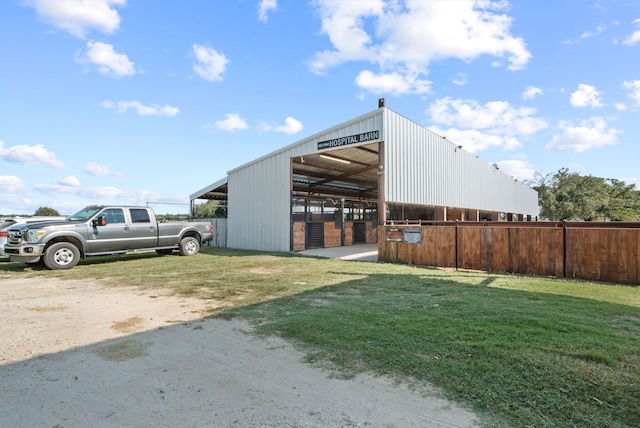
[[427, 169], [258, 205]]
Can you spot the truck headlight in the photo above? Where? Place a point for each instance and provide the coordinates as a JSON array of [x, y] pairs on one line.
[[34, 236]]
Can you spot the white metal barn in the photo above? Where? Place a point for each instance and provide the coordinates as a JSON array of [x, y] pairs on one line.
[[335, 187]]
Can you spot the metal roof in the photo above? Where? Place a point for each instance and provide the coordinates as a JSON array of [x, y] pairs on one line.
[[216, 191]]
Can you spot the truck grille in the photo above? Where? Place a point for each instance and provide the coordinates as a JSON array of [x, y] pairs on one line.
[[14, 237]]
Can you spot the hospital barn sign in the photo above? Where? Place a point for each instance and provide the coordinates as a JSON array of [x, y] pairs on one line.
[[351, 139]]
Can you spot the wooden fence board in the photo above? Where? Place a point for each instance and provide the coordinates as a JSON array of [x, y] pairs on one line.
[[446, 250]]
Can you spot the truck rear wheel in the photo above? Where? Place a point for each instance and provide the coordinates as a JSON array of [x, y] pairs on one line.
[[189, 246], [61, 255]]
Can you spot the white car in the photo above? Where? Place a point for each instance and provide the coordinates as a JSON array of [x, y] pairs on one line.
[[6, 223]]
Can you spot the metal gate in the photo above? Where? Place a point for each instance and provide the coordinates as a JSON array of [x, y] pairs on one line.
[[359, 232], [219, 238], [314, 234]]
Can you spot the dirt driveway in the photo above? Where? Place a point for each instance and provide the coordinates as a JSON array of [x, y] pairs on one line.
[[77, 354]]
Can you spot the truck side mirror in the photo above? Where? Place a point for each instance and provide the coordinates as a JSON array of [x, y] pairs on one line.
[[100, 221]]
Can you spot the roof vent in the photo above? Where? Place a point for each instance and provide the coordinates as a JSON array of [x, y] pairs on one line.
[[381, 103]]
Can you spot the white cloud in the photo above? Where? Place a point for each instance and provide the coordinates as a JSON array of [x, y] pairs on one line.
[[109, 62], [586, 96], [479, 127], [531, 92], [142, 110], [634, 37], [518, 169], [232, 122], [211, 64], [344, 23], [404, 38], [588, 34], [291, 126], [498, 116], [475, 141], [70, 181], [106, 194], [264, 7], [98, 170], [96, 193], [586, 135], [634, 90], [11, 184], [77, 17], [392, 83], [30, 155], [460, 79]]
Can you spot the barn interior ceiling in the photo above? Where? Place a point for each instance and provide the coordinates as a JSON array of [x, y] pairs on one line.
[[350, 173]]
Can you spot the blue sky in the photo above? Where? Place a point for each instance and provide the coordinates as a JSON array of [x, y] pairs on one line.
[[141, 101]]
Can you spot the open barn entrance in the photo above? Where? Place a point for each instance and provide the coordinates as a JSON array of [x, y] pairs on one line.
[[334, 197]]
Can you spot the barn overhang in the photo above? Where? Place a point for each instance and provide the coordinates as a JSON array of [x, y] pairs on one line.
[[216, 191]]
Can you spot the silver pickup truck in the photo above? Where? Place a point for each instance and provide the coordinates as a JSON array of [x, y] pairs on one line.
[[102, 230]]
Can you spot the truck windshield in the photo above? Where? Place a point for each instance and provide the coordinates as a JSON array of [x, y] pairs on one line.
[[84, 214]]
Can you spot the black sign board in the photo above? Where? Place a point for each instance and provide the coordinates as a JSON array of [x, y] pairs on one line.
[[350, 139]]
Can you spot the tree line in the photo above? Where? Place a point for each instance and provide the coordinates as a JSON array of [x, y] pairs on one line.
[[211, 209], [570, 196]]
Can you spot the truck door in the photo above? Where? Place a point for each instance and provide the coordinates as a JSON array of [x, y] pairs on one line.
[[113, 236], [143, 232]]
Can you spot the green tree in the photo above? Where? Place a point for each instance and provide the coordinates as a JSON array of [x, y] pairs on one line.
[[210, 209], [46, 211], [570, 196], [624, 202]]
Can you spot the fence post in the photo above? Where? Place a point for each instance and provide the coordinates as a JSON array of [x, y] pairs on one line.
[[456, 244], [564, 248]]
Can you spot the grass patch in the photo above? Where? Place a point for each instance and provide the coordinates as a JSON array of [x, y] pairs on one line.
[[520, 351], [230, 277]]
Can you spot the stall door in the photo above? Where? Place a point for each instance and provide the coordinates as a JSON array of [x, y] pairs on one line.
[[359, 232], [314, 234]]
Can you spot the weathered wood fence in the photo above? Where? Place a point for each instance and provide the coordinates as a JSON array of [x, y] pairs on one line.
[[598, 251]]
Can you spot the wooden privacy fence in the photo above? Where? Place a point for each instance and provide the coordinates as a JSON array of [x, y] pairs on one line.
[[598, 251]]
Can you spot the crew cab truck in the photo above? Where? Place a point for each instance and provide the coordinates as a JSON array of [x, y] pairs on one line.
[[102, 230]]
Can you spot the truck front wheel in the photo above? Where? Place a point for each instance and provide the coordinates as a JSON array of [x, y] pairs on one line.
[[61, 255], [189, 246]]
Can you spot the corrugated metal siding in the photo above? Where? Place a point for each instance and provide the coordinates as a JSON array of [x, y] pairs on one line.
[[424, 168], [259, 193], [258, 205]]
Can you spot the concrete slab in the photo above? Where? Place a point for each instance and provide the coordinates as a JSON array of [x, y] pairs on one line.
[[363, 252]]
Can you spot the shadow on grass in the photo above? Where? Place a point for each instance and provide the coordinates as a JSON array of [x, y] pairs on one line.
[[521, 358]]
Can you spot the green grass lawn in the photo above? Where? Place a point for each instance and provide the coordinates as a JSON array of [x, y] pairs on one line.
[[519, 351]]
